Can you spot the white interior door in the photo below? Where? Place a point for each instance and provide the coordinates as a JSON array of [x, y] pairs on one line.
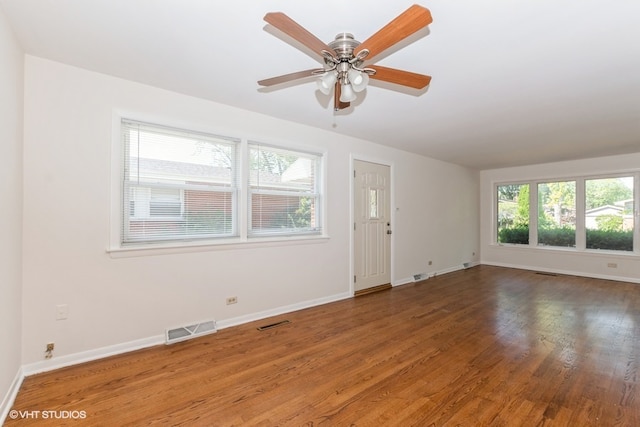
[[372, 227]]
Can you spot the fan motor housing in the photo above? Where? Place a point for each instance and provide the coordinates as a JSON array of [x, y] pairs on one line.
[[344, 45]]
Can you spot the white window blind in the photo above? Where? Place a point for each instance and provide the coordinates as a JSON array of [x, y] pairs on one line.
[[284, 191], [177, 185]]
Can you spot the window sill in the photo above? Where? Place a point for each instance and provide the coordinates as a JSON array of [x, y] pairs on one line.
[[182, 247]]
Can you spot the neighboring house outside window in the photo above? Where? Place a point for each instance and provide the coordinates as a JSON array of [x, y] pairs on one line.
[[180, 185], [177, 185], [607, 206], [283, 190]]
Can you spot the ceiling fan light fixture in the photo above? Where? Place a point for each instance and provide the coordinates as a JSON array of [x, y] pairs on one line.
[[326, 82], [347, 94]]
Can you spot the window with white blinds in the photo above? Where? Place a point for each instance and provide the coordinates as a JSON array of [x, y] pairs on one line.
[[177, 184], [284, 191]]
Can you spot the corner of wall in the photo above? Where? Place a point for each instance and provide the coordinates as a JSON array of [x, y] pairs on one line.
[[11, 395], [11, 192]]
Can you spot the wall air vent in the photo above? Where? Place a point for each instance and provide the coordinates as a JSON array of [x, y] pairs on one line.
[[184, 333], [420, 276]]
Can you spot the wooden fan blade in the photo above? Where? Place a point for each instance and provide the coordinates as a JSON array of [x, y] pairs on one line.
[[407, 23], [296, 31], [337, 104], [286, 77], [400, 77]]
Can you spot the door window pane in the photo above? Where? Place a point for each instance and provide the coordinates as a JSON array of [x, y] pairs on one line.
[[373, 203]]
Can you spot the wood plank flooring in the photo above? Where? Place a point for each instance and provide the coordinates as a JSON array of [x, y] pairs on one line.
[[486, 346]]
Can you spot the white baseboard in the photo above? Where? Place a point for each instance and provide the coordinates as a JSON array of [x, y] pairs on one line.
[[10, 397], [227, 323], [565, 272], [89, 355], [408, 280], [449, 270], [471, 264], [404, 281], [100, 353]]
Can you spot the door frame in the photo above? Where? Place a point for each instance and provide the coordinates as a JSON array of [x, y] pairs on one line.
[[369, 159]]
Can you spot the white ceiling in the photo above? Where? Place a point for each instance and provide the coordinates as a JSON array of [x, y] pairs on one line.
[[514, 82]]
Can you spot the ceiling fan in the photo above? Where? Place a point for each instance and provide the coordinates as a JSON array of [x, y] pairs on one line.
[[344, 58]]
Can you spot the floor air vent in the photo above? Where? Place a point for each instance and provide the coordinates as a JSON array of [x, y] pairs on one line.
[[187, 332], [273, 325]]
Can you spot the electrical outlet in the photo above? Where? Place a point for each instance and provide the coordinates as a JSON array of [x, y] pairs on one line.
[[430, 262], [48, 352], [232, 300]]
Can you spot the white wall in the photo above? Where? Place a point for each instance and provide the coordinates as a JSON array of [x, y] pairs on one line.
[[436, 216], [11, 86], [586, 263], [68, 137]]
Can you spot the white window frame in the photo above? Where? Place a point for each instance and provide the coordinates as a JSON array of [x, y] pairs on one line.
[[577, 232], [117, 249], [176, 177], [316, 194], [580, 213], [496, 206]]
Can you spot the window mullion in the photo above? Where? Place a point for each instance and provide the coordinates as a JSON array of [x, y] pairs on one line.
[[533, 214], [581, 231], [243, 191], [636, 213]]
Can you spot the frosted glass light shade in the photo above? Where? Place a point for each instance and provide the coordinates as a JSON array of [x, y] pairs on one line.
[[347, 94], [359, 80], [326, 82]]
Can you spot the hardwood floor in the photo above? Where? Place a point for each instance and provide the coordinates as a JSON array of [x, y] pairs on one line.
[[483, 346]]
